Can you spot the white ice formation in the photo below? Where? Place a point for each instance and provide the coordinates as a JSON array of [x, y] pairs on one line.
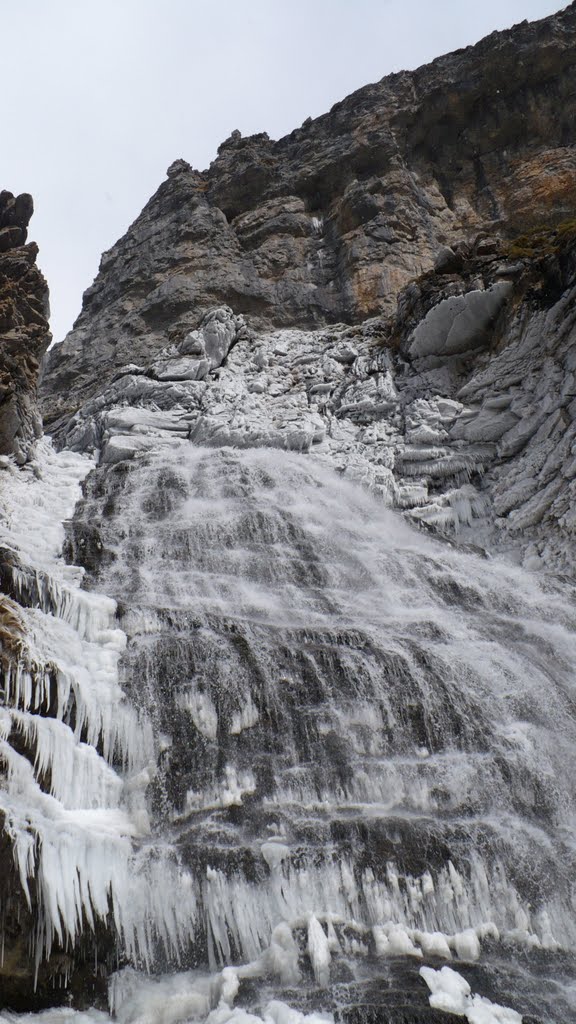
[[452, 993], [75, 756], [266, 565]]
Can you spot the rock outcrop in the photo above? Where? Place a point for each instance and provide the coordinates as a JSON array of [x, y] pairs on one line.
[[24, 332], [329, 224]]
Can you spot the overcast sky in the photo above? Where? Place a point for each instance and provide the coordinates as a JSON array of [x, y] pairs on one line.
[[100, 96]]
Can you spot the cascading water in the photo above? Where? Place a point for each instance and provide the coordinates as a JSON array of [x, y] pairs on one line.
[[358, 742]]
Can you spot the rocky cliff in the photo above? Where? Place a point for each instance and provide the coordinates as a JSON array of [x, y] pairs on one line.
[[24, 333], [392, 284], [330, 223]]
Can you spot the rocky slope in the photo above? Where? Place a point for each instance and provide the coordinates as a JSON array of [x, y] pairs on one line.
[[24, 333]]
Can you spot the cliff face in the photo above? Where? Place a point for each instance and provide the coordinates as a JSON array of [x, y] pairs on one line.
[[391, 284], [24, 332], [330, 223]]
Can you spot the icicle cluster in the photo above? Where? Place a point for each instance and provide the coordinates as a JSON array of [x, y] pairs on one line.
[[75, 756]]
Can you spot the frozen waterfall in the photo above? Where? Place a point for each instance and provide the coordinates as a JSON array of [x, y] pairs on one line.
[[275, 727]]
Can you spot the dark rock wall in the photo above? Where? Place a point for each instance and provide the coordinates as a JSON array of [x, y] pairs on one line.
[[329, 223], [24, 331]]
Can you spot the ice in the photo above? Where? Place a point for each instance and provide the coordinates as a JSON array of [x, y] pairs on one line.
[[191, 995], [36, 504], [383, 681], [245, 718], [283, 955], [274, 852], [467, 945], [174, 999], [86, 673], [202, 712], [247, 914], [433, 944], [135, 999], [457, 324], [79, 777], [451, 993], [394, 940], [74, 806], [319, 951]]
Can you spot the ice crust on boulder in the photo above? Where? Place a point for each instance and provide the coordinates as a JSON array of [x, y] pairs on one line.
[[452, 993], [458, 323]]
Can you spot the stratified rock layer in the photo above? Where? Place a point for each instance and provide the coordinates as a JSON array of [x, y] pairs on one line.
[[24, 332], [330, 223]]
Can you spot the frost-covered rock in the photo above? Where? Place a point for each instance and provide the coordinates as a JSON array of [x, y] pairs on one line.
[[484, 452]]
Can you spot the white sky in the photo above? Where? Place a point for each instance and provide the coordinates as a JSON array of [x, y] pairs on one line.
[[100, 96]]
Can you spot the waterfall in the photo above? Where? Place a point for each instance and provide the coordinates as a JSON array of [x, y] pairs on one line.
[[285, 745]]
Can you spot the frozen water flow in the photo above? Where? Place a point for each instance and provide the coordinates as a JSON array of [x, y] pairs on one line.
[[71, 812], [451, 992], [360, 739]]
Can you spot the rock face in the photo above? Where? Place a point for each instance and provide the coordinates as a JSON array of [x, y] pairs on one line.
[[24, 333], [330, 223]]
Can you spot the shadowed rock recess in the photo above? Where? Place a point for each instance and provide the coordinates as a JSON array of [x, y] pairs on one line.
[[287, 726]]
